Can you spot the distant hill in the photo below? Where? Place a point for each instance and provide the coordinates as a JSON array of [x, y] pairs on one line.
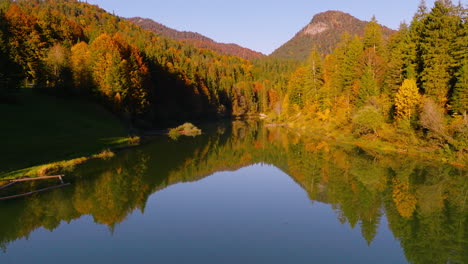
[[196, 39], [324, 31]]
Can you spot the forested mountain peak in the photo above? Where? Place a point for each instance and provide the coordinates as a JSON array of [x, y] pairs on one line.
[[328, 20], [196, 39], [324, 31], [161, 29]]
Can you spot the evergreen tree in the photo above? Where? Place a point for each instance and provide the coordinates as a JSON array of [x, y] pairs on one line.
[[372, 61], [438, 34], [350, 64], [413, 42], [459, 48], [421, 13], [368, 87], [314, 80], [397, 61], [373, 36], [297, 87], [460, 93]]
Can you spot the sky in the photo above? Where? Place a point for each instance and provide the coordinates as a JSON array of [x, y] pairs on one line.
[[261, 25]]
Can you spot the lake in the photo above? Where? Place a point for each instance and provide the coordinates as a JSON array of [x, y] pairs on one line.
[[243, 193]]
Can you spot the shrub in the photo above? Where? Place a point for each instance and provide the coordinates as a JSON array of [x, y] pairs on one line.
[[432, 119], [459, 130], [134, 140], [105, 154], [368, 120], [187, 129]]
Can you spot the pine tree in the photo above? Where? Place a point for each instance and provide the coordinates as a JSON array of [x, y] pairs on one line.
[[373, 36], [335, 68], [459, 98], [350, 65], [372, 58], [438, 34], [459, 52], [297, 87], [314, 80], [368, 87], [397, 61], [413, 43], [422, 11]]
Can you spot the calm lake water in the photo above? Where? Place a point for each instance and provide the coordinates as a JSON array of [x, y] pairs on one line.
[[243, 193]]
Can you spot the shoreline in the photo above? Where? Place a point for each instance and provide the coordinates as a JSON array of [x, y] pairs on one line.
[[378, 145], [374, 144], [63, 166]]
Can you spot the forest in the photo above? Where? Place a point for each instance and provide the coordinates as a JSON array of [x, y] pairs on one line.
[[409, 89]]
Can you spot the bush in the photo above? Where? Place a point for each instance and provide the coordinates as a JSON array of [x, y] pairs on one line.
[[433, 121], [368, 120], [459, 130], [105, 154], [432, 118], [187, 129]]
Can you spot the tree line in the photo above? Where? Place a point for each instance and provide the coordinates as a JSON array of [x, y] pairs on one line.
[[76, 48], [414, 84], [410, 87]]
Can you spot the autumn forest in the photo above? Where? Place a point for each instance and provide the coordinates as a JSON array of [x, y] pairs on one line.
[[402, 88], [347, 144]]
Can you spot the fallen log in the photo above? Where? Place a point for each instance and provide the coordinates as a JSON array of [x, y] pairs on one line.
[[38, 178], [33, 192]]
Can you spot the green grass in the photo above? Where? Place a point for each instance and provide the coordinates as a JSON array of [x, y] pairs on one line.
[[54, 167], [44, 129]]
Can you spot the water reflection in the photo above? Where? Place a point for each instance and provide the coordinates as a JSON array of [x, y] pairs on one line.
[[425, 204]]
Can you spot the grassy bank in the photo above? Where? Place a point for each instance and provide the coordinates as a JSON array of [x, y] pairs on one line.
[[380, 143], [42, 129]]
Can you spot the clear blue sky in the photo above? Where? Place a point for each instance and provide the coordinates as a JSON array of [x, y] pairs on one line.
[[261, 25]]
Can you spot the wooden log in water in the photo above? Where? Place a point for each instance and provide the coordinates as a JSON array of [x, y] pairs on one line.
[[38, 178], [7, 185], [33, 192]]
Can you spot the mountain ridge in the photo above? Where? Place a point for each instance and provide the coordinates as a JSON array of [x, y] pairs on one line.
[[196, 39]]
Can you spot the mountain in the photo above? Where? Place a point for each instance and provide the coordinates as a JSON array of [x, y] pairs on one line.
[[324, 31], [196, 39]]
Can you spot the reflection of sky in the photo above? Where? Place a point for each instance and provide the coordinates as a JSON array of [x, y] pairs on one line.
[[255, 215]]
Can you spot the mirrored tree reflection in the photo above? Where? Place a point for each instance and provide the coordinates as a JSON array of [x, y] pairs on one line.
[[426, 204]]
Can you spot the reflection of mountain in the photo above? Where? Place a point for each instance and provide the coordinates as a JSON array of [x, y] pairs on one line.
[[425, 205]]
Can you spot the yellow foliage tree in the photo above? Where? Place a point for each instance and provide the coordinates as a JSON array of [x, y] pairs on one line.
[[80, 57], [407, 98], [405, 201]]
